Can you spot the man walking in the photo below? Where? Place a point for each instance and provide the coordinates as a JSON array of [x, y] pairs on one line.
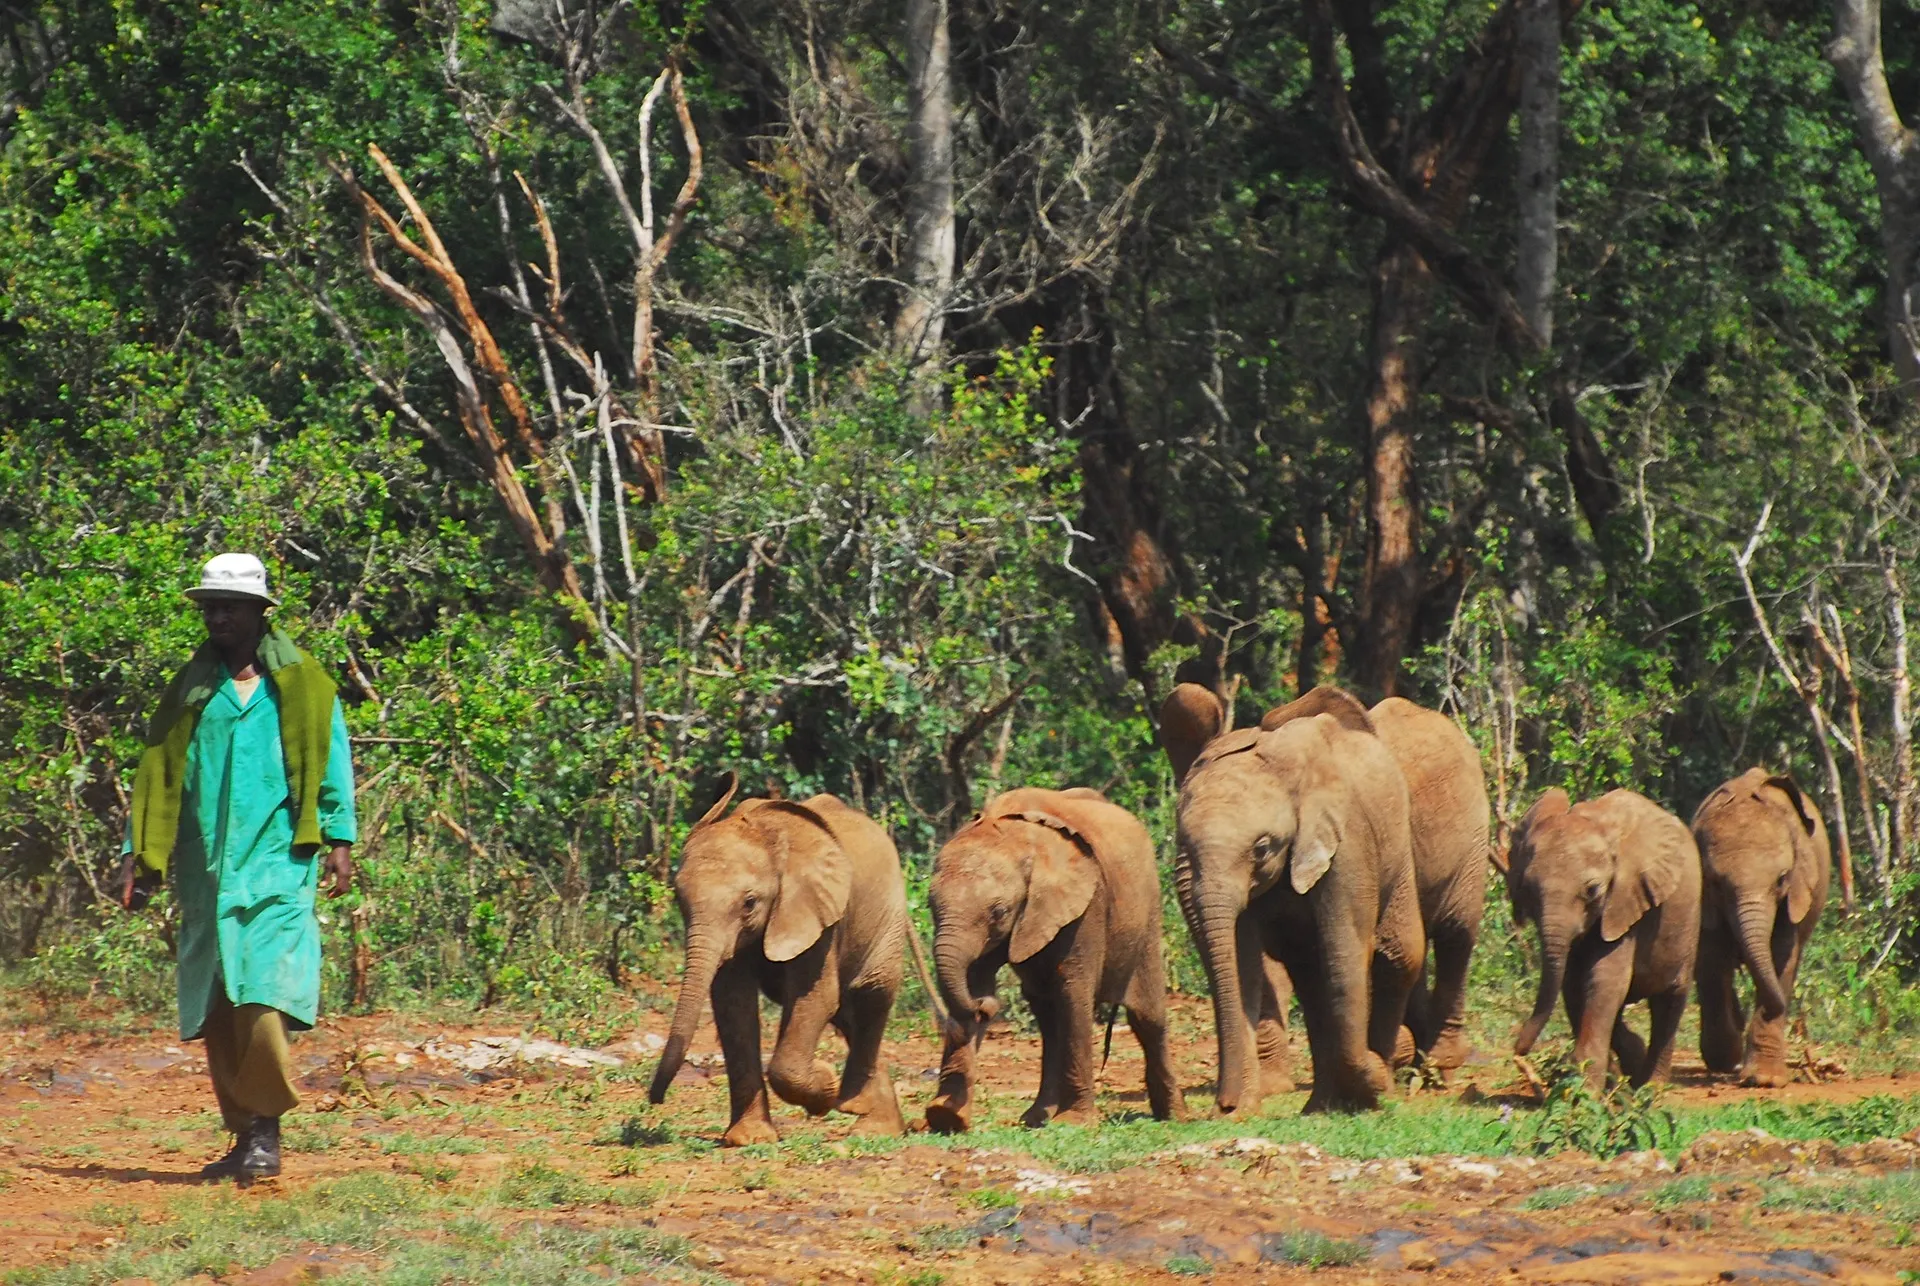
[[245, 780]]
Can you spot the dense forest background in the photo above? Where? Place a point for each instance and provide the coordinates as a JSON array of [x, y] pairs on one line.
[[892, 399]]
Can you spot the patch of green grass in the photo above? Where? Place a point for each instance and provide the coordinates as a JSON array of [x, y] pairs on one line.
[[308, 1134], [538, 1186], [1679, 1192], [223, 1231], [1571, 1194], [1893, 1197], [405, 1144], [990, 1199], [637, 1132], [944, 1236], [1189, 1266], [1309, 1249]]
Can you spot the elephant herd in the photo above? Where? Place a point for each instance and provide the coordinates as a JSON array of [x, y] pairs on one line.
[[1335, 852]]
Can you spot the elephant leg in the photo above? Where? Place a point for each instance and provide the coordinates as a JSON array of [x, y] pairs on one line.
[[951, 1111], [736, 1016], [1766, 1055], [1601, 988], [1393, 984], [1447, 1047], [1147, 1017], [1334, 985], [1270, 1035], [1075, 1025], [866, 1091], [1720, 1016], [796, 1072], [1628, 1047], [1667, 1008], [1045, 1004], [1420, 1022]]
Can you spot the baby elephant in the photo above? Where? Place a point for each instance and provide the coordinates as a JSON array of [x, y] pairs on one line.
[[1063, 886], [1763, 852], [804, 902], [1613, 885]]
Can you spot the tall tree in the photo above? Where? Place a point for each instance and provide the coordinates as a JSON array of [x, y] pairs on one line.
[[1891, 149], [921, 321]]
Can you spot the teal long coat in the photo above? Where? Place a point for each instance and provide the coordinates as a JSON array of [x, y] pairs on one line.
[[246, 898]]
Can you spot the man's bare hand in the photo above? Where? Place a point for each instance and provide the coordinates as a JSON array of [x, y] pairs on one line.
[[336, 872]]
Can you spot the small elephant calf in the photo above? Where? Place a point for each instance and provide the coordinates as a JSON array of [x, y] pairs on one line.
[[1063, 886], [1764, 855], [1613, 885], [804, 902]]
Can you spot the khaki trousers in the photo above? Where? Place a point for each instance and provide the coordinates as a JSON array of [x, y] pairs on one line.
[[248, 1060]]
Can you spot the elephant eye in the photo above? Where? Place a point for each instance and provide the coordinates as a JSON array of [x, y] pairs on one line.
[[750, 901], [1263, 846]]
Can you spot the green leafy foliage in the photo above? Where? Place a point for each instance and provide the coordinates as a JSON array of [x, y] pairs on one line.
[[1607, 1123]]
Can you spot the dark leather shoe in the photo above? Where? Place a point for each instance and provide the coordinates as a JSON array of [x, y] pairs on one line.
[[261, 1160], [228, 1166]]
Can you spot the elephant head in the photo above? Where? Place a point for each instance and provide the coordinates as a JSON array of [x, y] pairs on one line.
[[1190, 717], [1762, 843], [1012, 878], [1598, 867], [770, 880], [1256, 808]]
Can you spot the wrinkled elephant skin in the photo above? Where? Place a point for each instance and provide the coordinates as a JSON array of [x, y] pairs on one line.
[[1613, 887], [1294, 845], [804, 903], [1063, 886], [1766, 867]]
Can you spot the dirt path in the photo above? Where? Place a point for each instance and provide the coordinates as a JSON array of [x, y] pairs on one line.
[[100, 1139]]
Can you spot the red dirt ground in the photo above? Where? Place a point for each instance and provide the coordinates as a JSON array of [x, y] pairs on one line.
[[124, 1122]]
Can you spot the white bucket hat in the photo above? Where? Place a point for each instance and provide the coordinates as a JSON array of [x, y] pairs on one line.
[[233, 576]]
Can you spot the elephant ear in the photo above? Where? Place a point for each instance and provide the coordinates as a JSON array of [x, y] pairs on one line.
[[1325, 699], [1190, 717], [1059, 889], [1805, 826], [1649, 861], [1314, 844], [815, 877], [719, 808]]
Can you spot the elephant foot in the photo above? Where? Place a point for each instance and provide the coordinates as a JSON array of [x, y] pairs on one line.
[[1086, 1116], [818, 1094], [1450, 1051], [879, 1122], [1405, 1048], [1766, 1074], [945, 1117], [872, 1101], [749, 1130], [1175, 1109], [1036, 1116]]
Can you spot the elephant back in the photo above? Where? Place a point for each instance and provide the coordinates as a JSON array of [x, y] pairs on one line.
[[1447, 802]]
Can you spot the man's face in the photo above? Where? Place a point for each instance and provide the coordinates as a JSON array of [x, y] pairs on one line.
[[232, 622]]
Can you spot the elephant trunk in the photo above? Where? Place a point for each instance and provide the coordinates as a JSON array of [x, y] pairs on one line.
[[703, 962], [1755, 913], [1554, 944], [952, 958], [1215, 913]]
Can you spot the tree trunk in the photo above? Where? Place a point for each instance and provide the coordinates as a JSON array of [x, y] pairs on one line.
[[1539, 170], [1391, 592], [920, 323], [1889, 147]]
